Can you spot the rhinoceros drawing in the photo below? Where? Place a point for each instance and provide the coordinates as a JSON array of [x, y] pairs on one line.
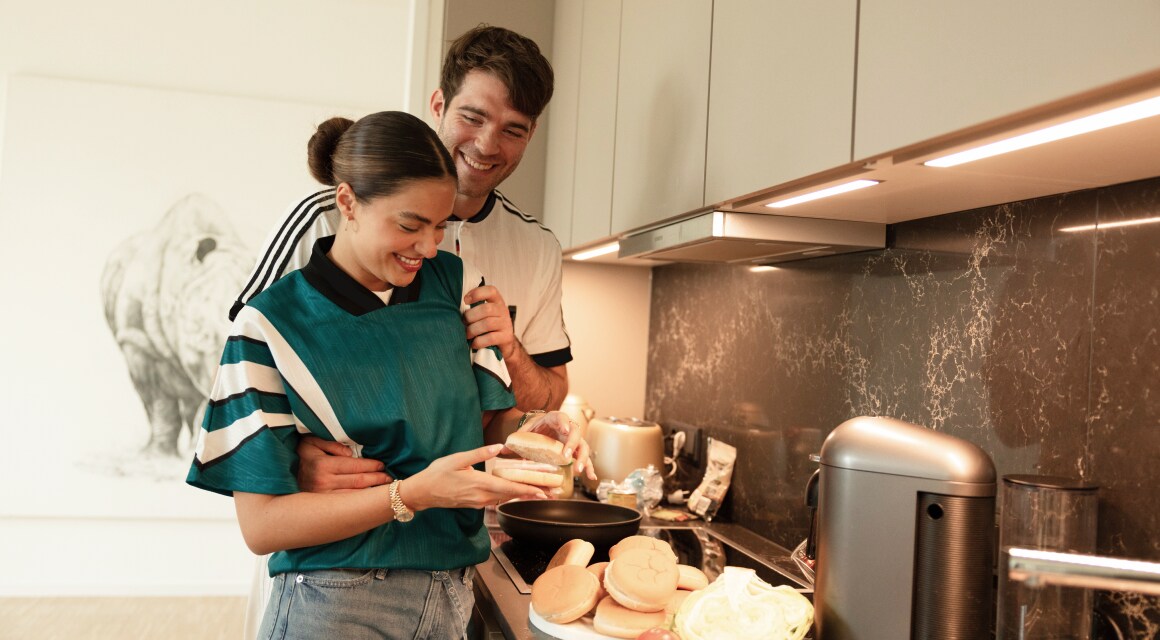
[[167, 292]]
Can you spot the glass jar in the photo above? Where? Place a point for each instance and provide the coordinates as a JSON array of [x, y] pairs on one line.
[[623, 496]]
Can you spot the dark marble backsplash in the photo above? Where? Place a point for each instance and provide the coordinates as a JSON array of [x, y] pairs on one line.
[[997, 325]]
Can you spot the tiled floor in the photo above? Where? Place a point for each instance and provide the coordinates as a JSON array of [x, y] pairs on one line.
[[122, 618]]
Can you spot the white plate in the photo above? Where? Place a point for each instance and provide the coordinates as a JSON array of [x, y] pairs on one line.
[[581, 629]]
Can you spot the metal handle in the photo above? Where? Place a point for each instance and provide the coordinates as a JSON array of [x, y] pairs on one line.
[[1037, 568]]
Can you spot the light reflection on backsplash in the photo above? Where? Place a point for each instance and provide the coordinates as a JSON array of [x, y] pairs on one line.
[[993, 325]]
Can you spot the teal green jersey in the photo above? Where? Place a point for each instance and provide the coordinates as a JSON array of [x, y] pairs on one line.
[[318, 354]]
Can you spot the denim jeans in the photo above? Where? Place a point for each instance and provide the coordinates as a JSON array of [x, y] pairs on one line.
[[353, 604]]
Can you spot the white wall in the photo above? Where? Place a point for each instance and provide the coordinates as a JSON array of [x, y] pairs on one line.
[[606, 309], [352, 53], [531, 18]]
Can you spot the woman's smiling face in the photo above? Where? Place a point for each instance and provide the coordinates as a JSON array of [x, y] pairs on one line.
[[382, 243]]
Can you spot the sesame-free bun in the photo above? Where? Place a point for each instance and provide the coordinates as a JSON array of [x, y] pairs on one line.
[[614, 620], [642, 579], [530, 476], [674, 605], [574, 551], [691, 578], [536, 446], [564, 593], [597, 569], [641, 542]]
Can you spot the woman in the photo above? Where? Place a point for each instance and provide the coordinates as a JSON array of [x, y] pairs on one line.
[[365, 346]]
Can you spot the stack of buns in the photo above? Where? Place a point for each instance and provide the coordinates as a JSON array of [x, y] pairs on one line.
[[539, 463], [640, 587]]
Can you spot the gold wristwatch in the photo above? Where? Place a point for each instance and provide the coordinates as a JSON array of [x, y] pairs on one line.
[[402, 513]]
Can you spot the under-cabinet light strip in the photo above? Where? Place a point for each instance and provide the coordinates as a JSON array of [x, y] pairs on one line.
[[598, 251], [1119, 115], [1110, 225], [845, 187]]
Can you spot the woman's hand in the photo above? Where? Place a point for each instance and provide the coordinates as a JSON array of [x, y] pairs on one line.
[[450, 482], [557, 424]]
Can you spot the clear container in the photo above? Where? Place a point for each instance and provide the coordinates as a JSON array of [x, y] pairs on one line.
[[623, 495], [1048, 513], [566, 488]]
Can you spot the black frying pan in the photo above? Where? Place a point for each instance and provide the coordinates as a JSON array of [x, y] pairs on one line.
[[551, 523]]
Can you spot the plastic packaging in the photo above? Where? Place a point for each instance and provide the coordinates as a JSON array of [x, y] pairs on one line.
[[706, 498], [603, 489], [649, 487]]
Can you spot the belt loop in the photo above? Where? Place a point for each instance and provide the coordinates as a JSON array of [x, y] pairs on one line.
[[380, 574]]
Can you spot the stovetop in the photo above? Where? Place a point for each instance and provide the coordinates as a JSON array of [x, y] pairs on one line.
[[698, 547]]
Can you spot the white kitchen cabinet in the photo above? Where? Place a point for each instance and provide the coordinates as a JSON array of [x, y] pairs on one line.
[[929, 68], [561, 120], [596, 121], [585, 57], [781, 96], [661, 110]]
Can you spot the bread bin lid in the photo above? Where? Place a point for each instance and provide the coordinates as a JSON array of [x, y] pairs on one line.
[[887, 445]]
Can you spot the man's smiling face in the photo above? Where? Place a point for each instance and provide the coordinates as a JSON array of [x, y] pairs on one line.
[[486, 136]]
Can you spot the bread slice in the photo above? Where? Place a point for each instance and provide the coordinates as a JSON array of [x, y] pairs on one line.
[[642, 579], [641, 542], [537, 446], [564, 594], [529, 476], [574, 551], [614, 620], [691, 578]]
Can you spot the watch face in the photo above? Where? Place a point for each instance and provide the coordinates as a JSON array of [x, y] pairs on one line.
[[405, 516]]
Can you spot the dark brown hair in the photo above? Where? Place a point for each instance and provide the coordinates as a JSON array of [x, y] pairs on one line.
[[378, 154], [512, 58]]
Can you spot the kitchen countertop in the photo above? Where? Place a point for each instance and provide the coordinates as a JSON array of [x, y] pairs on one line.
[[498, 598]]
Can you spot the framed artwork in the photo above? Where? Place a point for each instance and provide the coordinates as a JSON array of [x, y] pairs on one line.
[[133, 217]]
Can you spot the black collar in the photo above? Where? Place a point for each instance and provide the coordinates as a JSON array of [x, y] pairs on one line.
[[483, 212], [345, 291]]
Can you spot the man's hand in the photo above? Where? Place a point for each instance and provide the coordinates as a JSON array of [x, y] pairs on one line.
[[489, 324], [331, 466]]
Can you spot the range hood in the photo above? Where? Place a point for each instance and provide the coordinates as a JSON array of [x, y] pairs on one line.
[[738, 237]]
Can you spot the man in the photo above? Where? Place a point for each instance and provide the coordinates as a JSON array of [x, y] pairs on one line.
[[493, 87]]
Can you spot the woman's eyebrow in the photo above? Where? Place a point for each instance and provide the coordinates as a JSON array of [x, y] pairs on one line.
[[411, 215]]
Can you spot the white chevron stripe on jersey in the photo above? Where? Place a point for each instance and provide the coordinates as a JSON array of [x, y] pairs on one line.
[[488, 360], [214, 444], [252, 324], [235, 379]]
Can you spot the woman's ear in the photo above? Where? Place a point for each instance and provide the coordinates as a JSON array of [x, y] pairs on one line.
[[344, 197]]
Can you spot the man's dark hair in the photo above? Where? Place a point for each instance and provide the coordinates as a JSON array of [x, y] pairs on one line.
[[512, 58]]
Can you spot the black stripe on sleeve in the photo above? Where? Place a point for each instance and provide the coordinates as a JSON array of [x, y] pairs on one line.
[[304, 214]]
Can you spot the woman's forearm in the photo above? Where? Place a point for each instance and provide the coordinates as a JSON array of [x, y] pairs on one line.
[[276, 523]]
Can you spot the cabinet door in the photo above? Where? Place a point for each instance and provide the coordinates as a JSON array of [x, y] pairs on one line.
[[781, 96], [560, 120], [930, 68], [596, 121], [662, 101]]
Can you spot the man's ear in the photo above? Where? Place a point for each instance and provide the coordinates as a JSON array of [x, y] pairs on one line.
[[437, 105]]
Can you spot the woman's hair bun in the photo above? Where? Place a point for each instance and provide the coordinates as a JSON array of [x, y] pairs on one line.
[[320, 149]]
